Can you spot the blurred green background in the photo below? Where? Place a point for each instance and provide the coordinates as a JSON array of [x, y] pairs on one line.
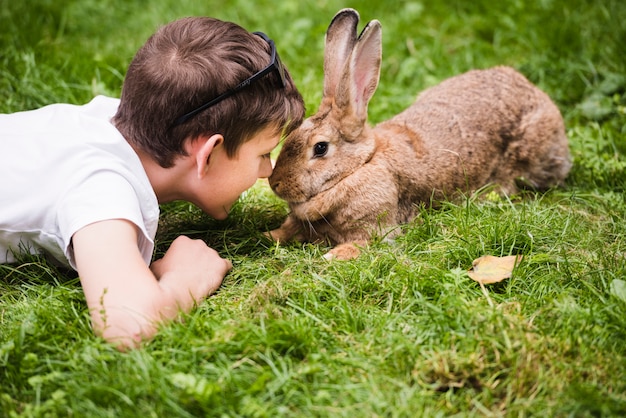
[[57, 50]]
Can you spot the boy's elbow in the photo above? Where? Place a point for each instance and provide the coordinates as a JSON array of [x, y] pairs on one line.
[[124, 330]]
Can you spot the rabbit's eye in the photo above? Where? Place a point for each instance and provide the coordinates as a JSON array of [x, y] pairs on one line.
[[320, 149]]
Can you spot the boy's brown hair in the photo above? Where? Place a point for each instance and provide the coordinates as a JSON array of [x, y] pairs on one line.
[[189, 62]]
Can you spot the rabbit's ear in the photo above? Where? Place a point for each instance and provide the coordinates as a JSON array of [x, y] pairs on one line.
[[361, 74], [341, 37]]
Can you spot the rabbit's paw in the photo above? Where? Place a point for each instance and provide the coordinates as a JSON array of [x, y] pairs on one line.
[[346, 251], [286, 232]]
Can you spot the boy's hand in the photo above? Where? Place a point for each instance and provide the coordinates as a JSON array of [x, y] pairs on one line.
[[190, 271]]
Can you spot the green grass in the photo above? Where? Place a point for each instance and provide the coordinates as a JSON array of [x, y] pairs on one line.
[[400, 332]]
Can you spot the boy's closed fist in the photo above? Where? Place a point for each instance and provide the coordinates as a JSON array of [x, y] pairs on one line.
[[190, 270]]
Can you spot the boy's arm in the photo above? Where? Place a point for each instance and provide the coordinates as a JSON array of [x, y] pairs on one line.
[[126, 298]]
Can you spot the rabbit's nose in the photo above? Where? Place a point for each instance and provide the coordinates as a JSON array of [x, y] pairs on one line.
[[275, 184]]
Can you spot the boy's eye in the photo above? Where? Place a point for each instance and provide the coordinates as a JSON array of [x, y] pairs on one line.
[[268, 155]]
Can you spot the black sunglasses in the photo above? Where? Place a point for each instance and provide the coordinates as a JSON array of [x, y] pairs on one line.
[[275, 65]]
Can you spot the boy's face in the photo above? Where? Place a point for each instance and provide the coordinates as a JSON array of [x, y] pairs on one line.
[[228, 177]]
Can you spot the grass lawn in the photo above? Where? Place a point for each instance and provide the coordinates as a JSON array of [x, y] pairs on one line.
[[400, 332]]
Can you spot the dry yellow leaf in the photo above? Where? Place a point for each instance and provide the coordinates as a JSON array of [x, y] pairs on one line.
[[489, 269]]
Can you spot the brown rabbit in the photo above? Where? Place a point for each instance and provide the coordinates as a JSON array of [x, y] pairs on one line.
[[345, 180]]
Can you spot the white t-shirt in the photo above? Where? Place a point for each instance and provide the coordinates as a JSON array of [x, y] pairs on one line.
[[62, 168]]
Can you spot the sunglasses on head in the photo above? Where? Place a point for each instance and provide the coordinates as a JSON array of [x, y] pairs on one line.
[[275, 65]]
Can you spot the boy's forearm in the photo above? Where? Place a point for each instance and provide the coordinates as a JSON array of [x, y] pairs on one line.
[[127, 299], [126, 321]]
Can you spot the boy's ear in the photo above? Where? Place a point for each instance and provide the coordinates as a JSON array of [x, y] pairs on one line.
[[203, 149]]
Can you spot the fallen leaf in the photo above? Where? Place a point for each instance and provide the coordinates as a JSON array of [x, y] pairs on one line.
[[489, 269]]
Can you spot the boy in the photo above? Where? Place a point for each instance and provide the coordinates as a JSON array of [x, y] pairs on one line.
[[203, 104]]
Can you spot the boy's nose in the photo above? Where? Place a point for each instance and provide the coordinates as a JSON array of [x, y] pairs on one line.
[[266, 169]]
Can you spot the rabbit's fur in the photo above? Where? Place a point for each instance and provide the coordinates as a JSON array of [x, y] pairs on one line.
[[345, 180]]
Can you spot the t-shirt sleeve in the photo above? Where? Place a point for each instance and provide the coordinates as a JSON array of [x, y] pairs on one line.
[[103, 196]]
